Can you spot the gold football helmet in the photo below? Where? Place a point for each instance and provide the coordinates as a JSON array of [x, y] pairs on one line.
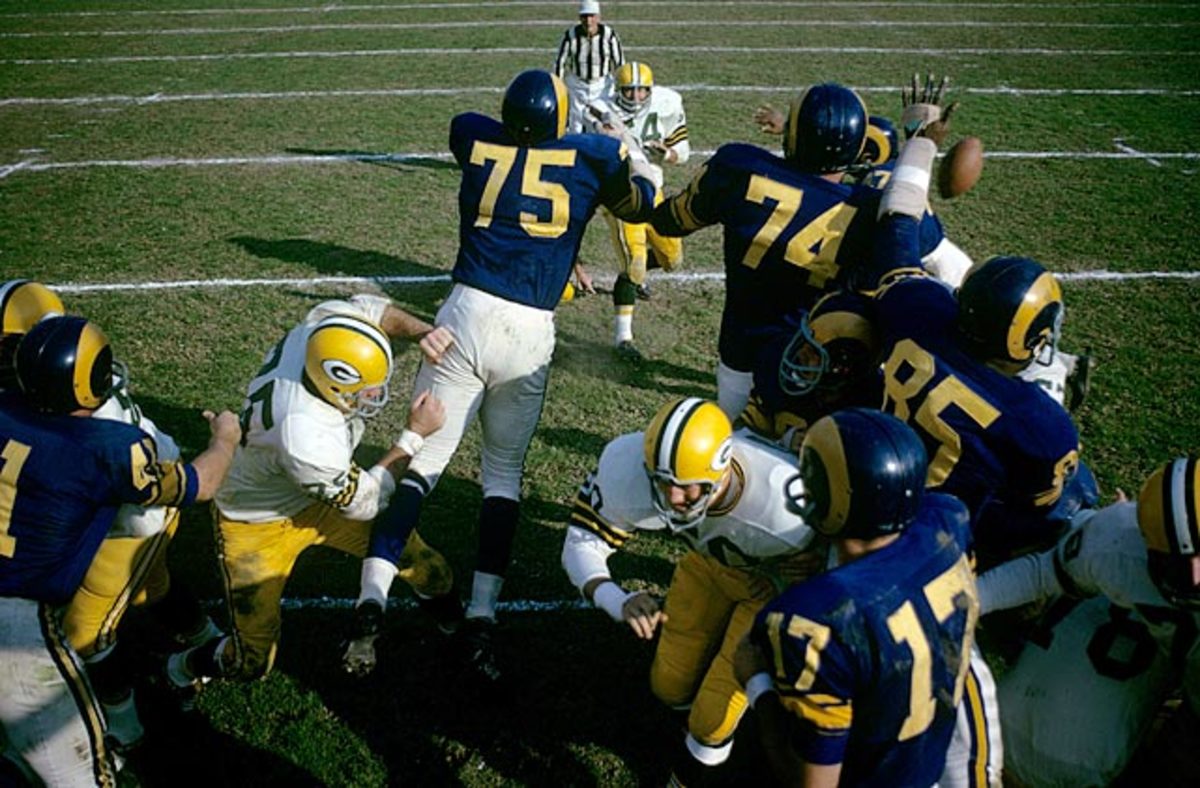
[[689, 442], [631, 76], [64, 364], [349, 363], [1169, 518], [23, 303]]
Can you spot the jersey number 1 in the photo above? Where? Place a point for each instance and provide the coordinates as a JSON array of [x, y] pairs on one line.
[[14, 455]]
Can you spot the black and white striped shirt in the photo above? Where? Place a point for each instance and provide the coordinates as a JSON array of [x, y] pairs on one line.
[[589, 59]]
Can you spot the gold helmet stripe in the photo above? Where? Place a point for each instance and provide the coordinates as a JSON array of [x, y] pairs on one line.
[[843, 325], [1044, 292], [789, 143], [825, 440], [24, 302], [89, 346], [882, 142], [564, 104]]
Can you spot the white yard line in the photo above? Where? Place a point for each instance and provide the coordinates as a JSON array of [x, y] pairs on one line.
[[681, 279], [292, 95], [558, 4], [291, 160], [869, 24], [541, 52]]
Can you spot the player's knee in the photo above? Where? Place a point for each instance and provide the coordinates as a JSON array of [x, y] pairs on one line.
[[670, 687]]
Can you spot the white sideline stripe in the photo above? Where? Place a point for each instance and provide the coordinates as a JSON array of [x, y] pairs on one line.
[[674, 278], [1149, 158], [558, 4], [164, 98], [343, 158], [406, 603], [558, 24], [462, 52]]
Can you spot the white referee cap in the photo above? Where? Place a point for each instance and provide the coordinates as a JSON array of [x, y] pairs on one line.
[[589, 7]]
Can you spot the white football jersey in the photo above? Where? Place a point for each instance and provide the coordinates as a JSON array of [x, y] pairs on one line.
[[296, 447], [660, 119], [1084, 692], [756, 526], [133, 520]]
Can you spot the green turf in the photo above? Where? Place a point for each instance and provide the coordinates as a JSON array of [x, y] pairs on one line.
[[584, 715]]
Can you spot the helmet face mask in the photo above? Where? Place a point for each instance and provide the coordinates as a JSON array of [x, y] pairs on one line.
[[635, 83], [805, 362], [836, 345], [688, 444], [1168, 515], [535, 107], [348, 363]]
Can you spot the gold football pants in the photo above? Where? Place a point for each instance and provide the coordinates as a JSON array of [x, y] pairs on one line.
[[709, 608], [257, 559], [126, 571], [633, 242]]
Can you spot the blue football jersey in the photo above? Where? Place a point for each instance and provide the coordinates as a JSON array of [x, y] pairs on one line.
[[61, 481], [789, 235], [522, 210], [992, 439], [870, 657]]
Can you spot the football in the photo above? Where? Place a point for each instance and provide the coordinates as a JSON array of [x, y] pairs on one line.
[[961, 167]]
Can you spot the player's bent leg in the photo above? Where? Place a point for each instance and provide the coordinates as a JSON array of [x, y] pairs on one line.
[[668, 252], [733, 389], [697, 614], [256, 561], [48, 712], [975, 758]]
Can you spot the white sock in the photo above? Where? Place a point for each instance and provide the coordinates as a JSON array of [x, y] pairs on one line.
[[485, 591], [733, 390], [376, 580], [123, 723], [622, 328]]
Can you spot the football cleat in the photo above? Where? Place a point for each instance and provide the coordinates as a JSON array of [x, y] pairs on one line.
[[445, 610], [629, 352], [358, 656], [480, 651], [123, 730], [643, 292], [182, 683]]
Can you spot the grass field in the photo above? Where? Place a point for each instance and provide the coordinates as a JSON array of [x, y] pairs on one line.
[[270, 151]]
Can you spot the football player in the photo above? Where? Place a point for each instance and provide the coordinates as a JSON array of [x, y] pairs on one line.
[[656, 122], [722, 494], [294, 481], [1088, 685], [63, 478], [856, 674], [830, 361], [130, 567], [526, 196], [791, 224]]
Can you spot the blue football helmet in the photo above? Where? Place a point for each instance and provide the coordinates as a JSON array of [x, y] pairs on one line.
[[837, 344], [1010, 309], [825, 129], [535, 107], [863, 475], [65, 364], [882, 144]]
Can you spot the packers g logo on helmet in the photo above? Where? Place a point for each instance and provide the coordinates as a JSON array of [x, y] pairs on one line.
[[863, 474], [65, 364], [349, 363], [1168, 513], [1011, 310], [689, 442], [23, 303], [631, 76]]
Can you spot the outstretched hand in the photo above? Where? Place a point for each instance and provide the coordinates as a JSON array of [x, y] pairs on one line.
[[923, 114], [769, 119]]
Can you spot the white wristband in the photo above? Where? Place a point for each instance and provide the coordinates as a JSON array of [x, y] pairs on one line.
[[758, 684], [611, 598], [409, 442]]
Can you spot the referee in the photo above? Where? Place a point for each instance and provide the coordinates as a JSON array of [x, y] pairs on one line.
[[587, 57]]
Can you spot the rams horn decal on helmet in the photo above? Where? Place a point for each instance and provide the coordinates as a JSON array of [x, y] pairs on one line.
[[836, 344], [349, 363], [689, 442], [535, 107], [863, 474], [1168, 515], [1010, 309], [882, 144], [64, 364], [825, 128]]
